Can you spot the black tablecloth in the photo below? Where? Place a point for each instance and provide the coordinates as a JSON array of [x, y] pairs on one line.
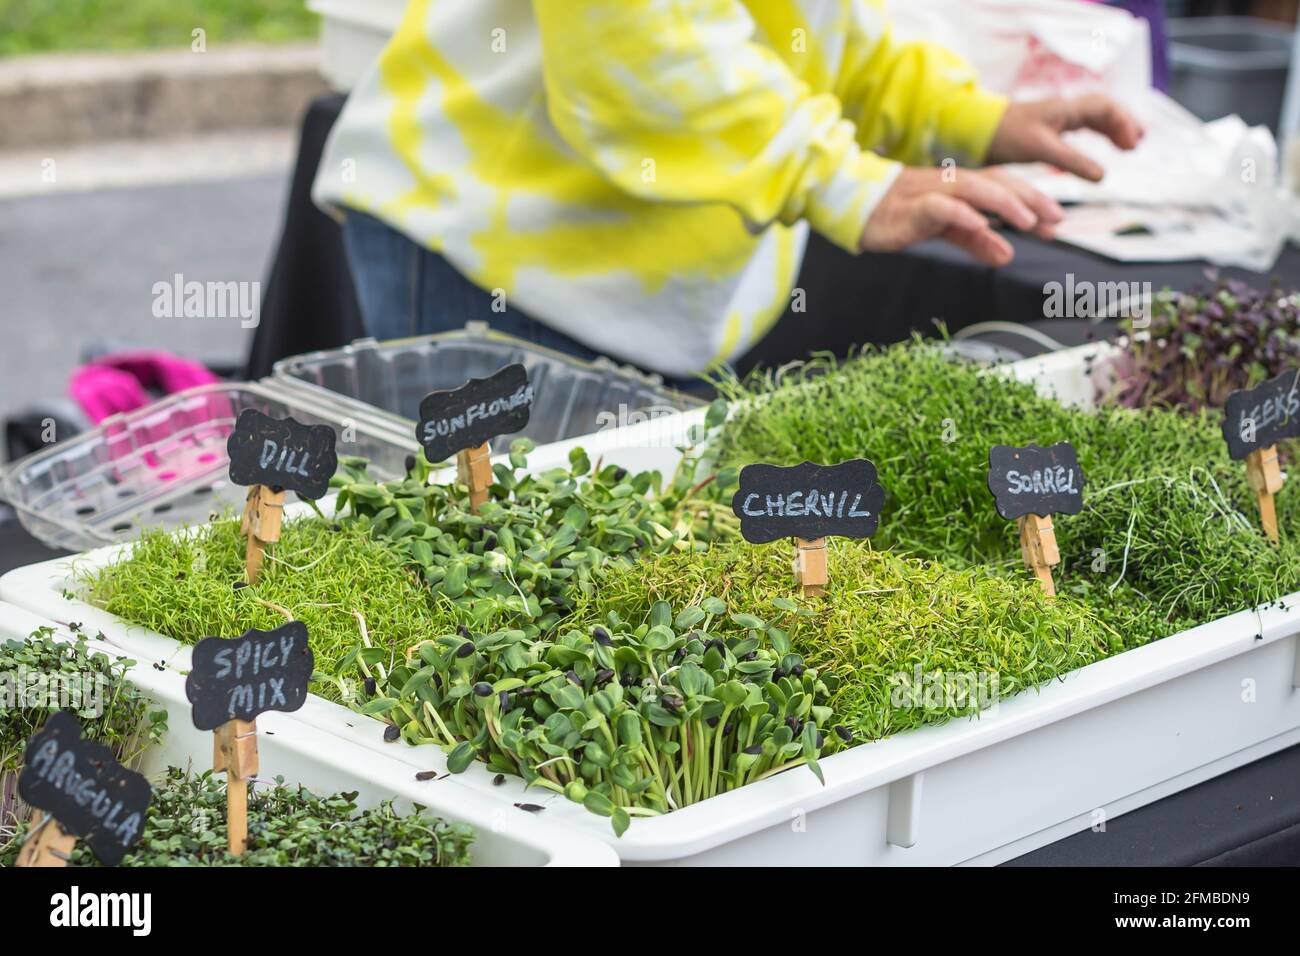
[[309, 302], [19, 549]]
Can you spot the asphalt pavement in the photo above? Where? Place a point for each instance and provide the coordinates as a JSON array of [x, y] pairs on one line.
[[80, 262]]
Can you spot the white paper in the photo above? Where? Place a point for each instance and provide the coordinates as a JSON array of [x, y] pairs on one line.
[[1210, 190]]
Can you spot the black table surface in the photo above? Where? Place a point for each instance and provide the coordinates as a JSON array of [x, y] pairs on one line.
[[1015, 293], [1250, 816]]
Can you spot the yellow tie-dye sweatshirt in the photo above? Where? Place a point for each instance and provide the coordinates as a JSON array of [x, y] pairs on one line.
[[641, 174]]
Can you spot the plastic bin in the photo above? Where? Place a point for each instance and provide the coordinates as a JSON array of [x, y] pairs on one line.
[[325, 764], [1105, 739], [1224, 65], [386, 381], [165, 465]]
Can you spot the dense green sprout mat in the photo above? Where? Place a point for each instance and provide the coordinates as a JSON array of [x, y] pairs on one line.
[[607, 636], [893, 622], [1168, 538]]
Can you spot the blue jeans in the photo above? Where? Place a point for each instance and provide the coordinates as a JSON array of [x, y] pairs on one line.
[[404, 289]]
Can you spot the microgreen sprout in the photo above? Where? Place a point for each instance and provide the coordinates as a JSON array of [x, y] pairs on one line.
[[44, 674], [287, 826], [1167, 538], [626, 717], [1196, 348]]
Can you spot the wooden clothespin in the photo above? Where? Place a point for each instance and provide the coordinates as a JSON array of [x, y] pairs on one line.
[[272, 672], [474, 471], [263, 515], [1254, 421], [1038, 548], [810, 566], [1264, 474], [1030, 484], [269, 456], [234, 753], [47, 843]]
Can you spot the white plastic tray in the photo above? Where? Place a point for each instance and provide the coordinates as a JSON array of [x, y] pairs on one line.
[[1110, 737], [1107, 738], [1072, 376], [307, 755]]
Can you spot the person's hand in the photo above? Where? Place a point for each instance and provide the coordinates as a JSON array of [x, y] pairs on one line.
[[1031, 132], [949, 204]]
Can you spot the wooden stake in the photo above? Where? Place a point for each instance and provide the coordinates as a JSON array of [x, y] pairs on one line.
[[47, 843], [263, 515], [1038, 547], [810, 566], [1264, 475], [235, 753], [474, 471]]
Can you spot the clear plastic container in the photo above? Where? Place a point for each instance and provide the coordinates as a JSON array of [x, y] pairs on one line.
[[386, 381], [165, 465]]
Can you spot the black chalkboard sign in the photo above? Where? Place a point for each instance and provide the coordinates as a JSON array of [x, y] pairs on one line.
[[80, 784], [239, 678], [1256, 418], [808, 501], [478, 411], [282, 454], [1035, 480]]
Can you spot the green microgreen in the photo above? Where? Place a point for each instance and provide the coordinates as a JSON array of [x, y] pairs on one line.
[[405, 559], [1168, 537], [627, 716], [287, 826], [608, 639], [360, 601], [903, 643], [44, 674], [539, 540]]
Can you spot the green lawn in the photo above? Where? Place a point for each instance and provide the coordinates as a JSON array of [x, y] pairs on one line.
[[38, 26]]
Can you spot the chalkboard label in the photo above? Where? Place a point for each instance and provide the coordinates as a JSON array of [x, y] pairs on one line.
[[80, 784], [1258, 417], [808, 501], [1035, 480], [478, 411], [282, 454], [239, 678]]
